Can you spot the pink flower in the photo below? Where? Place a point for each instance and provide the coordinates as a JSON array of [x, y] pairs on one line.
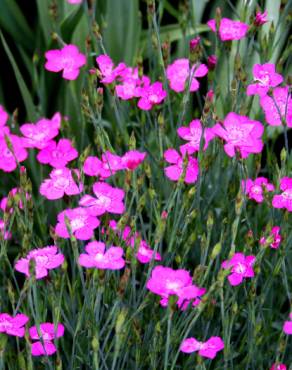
[[175, 171], [144, 253], [45, 259], [106, 67], [165, 281], [241, 133], [284, 104], [13, 325], [74, 1], [287, 327], [108, 199], [255, 188], [48, 332], [132, 159], [284, 200], [278, 367], [265, 77], [3, 117], [9, 158], [60, 183], [229, 29], [4, 233], [69, 60], [179, 72], [82, 223], [151, 95], [207, 349], [193, 134], [98, 257], [261, 18], [39, 135], [275, 236], [241, 267], [57, 154]]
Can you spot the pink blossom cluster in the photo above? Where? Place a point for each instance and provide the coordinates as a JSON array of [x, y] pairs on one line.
[[255, 189], [129, 84], [284, 200], [165, 281], [240, 267], [274, 238], [110, 163], [97, 256], [144, 252], [206, 349]]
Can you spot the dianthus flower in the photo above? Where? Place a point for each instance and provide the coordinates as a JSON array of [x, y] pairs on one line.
[[12, 153], [61, 182], [132, 159], [278, 367], [144, 252], [283, 105], [165, 281], [275, 238], [97, 256], [255, 188], [107, 199], [193, 134], [58, 154], [284, 200], [241, 267], [265, 77], [39, 135], [206, 349], [241, 133], [3, 116], [151, 95], [47, 332], [81, 223], [69, 60], [45, 259], [106, 67], [261, 18], [13, 325], [229, 29], [287, 327], [179, 72], [175, 171]]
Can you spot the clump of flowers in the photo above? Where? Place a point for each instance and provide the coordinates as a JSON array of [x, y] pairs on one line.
[[284, 200], [180, 71], [165, 281], [278, 108], [60, 183], [274, 238], [265, 77], [193, 134], [68, 59], [229, 29], [240, 266], [240, 133], [287, 327], [97, 256], [44, 259], [57, 154], [47, 332], [39, 135], [13, 325], [175, 171], [78, 221], [255, 189], [206, 349]]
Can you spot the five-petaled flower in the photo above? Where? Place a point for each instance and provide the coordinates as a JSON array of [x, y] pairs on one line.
[[175, 171], [265, 77], [13, 325], [47, 332], [68, 59], [240, 266], [284, 200], [44, 259], [12, 151], [255, 189], [151, 95], [229, 29], [206, 349], [97, 256], [58, 154], [240, 133]]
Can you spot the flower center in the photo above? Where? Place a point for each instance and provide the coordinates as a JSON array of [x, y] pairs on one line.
[[287, 194], [256, 189], [77, 223], [240, 268], [61, 182]]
